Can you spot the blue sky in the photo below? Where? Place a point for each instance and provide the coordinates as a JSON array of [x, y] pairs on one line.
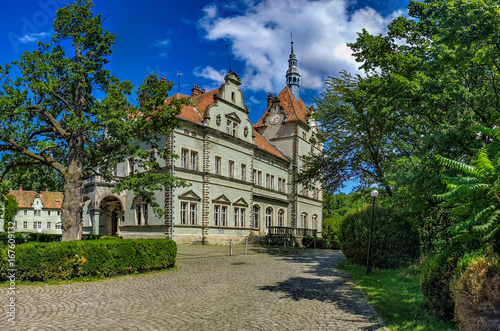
[[163, 36]]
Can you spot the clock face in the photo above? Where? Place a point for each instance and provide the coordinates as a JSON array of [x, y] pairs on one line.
[[274, 119]]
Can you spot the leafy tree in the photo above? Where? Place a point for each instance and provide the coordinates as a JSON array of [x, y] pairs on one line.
[[8, 208], [61, 108]]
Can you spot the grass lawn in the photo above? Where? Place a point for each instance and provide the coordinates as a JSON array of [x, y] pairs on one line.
[[396, 296]]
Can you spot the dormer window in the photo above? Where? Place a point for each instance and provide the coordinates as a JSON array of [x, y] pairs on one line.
[[233, 97], [232, 128]]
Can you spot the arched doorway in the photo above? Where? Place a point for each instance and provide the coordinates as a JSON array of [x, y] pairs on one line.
[[112, 210]]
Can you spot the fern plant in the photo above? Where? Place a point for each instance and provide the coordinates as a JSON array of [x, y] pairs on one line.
[[475, 194]]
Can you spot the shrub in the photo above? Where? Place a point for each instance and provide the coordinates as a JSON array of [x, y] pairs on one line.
[[435, 280], [331, 227], [394, 240], [476, 292], [24, 237], [66, 260]]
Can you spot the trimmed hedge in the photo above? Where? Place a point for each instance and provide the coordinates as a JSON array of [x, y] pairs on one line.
[[76, 259], [23, 237]]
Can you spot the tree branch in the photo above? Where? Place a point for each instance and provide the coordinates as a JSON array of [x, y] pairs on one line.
[[53, 121]]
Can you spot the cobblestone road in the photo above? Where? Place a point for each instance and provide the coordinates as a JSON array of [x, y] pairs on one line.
[[302, 290]]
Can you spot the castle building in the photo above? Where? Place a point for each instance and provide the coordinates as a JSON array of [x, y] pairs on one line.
[[38, 211], [241, 175]]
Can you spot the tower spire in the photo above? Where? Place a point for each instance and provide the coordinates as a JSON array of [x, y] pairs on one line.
[[292, 74]]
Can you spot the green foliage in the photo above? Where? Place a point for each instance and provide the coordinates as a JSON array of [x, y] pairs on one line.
[[439, 272], [61, 109], [396, 296], [24, 237], [476, 292], [394, 240], [474, 196], [331, 227], [340, 204], [67, 260], [9, 209]]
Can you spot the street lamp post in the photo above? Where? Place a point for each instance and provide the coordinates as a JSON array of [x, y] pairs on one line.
[[368, 267]]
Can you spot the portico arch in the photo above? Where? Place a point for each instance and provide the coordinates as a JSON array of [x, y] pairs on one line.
[[112, 211]]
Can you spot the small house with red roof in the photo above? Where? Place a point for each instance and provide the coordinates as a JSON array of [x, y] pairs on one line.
[[38, 211], [241, 174]]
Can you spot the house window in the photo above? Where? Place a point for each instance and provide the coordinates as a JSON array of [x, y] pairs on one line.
[[256, 216], [37, 212], [315, 222], [58, 226], [281, 185], [254, 176], [37, 225], [272, 183], [281, 217], [184, 209], [216, 215], [25, 225], [220, 215], [141, 213], [267, 180], [218, 165], [58, 213], [303, 218], [185, 158], [25, 212], [193, 213], [304, 135], [232, 128], [231, 169], [269, 217], [49, 225], [48, 212], [233, 96], [239, 217], [243, 172], [194, 160]]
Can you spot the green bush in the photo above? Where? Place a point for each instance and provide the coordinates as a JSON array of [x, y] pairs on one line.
[[331, 227], [436, 277], [476, 292], [74, 259], [24, 237], [394, 241]]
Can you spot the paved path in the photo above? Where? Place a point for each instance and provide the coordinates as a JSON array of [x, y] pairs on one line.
[[299, 291]]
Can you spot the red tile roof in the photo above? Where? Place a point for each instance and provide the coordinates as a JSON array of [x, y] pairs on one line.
[[295, 110], [188, 112], [265, 145], [50, 200], [202, 101]]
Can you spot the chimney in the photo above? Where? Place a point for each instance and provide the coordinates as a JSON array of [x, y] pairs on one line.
[[196, 91], [269, 100]]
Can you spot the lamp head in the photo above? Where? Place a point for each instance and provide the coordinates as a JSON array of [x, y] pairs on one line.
[[374, 193]]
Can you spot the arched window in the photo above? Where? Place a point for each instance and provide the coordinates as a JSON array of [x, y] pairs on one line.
[[269, 217], [294, 79], [256, 216], [315, 222], [281, 217], [303, 218]]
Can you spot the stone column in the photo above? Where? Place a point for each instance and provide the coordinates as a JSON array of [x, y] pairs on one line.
[[96, 220]]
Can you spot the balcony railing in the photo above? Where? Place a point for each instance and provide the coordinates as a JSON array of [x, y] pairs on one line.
[[283, 231]]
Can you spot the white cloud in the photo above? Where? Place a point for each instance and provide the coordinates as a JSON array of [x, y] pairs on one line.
[[260, 37], [33, 37], [162, 43], [217, 76]]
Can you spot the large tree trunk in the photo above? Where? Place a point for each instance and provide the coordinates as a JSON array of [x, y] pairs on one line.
[[72, 207]]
